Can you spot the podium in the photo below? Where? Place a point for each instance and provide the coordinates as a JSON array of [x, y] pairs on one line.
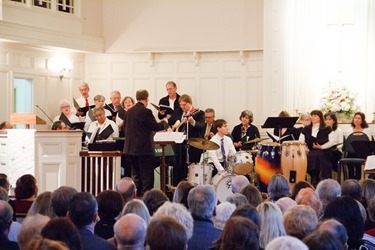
[[26, 118], [163, 165]]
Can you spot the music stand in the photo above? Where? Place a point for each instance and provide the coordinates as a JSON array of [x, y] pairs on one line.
[[363, 148], [163, 166], [279, 123]]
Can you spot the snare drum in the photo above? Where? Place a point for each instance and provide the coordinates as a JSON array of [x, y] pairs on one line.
[[241, 163], [200, 173], [223, 185], [293, 161], [267, 163]]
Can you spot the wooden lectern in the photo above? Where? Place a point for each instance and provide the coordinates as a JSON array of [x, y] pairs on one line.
[[26, 118]]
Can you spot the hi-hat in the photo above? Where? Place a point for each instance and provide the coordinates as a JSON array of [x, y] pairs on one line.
[[255, 140], [203, 144]]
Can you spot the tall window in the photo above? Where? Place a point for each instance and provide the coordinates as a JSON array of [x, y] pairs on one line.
[[23, 96], [66, 6]]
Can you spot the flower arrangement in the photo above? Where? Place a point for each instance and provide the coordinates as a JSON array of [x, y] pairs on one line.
[[339, 100]]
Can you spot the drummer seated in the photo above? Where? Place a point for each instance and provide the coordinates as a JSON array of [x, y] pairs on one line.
[[219, 157]]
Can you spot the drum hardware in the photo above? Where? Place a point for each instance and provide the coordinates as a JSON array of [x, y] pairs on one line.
[[241, 163], [203, 144]]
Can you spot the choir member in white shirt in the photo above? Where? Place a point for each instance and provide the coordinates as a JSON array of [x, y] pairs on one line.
[[219, 157], [101, 123], [99, 101], [359, 125], [336, 137], [65, 109], [84, 100]]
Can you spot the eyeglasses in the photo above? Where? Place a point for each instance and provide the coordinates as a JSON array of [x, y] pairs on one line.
[[183, 104], [63, 107], [208, 117]]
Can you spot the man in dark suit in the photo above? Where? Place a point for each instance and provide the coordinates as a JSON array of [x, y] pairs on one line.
[[191, 122], [139, 142], [114, 106], [171, 100], [83, 212], [209, 116]]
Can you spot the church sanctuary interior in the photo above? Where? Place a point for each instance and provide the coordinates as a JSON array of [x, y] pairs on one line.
[[260, 55]]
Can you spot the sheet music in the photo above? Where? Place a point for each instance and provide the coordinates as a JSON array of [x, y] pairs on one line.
[[177, 137], [370, 162]]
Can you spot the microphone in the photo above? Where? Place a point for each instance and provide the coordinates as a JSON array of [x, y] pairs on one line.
[[44, 112]]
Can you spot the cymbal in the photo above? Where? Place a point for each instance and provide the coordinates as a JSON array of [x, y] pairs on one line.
[[255, 140], [203, 144]]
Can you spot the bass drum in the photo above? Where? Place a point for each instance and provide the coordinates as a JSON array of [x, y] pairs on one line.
[[294, 161], [223, 185], [200, 173]]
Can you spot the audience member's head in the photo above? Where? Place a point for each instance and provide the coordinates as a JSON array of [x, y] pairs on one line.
[[308, 197], [42, 205], [181, 193], [285, 203], [153, 199], [271, 222], [346, 210], [223, 211], [5, 125], [351, 188], [335, 228], [62, 229], [83, 209], [252, 194], [109, 204], [239, 182], [247, 211], [130, 232], [300, 221], [166, 233], [126, 188], [137, 207], [202, 201], [278, 187], [328, 190], [3, 194], [31, 227], [60, 199], [237, 199], [371, 209], [4, 182], [239, 233], [322, 241], [26, 187], [179, 212], [40, 243], [286, 243], [298, 186], [368, 190], [6, 215]]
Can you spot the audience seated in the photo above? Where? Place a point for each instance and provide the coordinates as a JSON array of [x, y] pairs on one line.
[[239, 182], [15, 226], [252, 194], [371, 215], [153, 199], [237, 199], [42, 205], [137, 207], [25, 192], [286, 243], [126, 188], [4, 182], [223, 212], [308, 197], [6, 213], [247, 211], [345, 209], [335, 228], [178, 212], [367, 190], [181, 193], [130, 232], [278, 187], [40, 243], [31, 227], [285, 203], [300, 221], [239, 233], [351, 188], [166, 233], [109, 208], [60, 199], [327, 190], [298, 186], [83, 212], [271, 223], [323, 241], [62, 229], [202, 201]]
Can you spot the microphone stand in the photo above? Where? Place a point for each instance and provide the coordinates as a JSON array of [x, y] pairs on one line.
[[44, 112]]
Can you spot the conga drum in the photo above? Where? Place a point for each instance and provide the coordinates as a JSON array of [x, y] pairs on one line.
[[267, 163], [293, 161]]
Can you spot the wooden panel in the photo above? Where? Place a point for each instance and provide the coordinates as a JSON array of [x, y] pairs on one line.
[[120, 67]]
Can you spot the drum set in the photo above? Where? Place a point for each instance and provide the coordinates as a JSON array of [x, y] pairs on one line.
[[288, 158]]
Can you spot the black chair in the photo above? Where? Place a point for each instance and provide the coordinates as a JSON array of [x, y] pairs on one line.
[[348, 148]]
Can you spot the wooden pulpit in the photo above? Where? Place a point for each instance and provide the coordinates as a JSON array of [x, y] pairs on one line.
[[26, 118]]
